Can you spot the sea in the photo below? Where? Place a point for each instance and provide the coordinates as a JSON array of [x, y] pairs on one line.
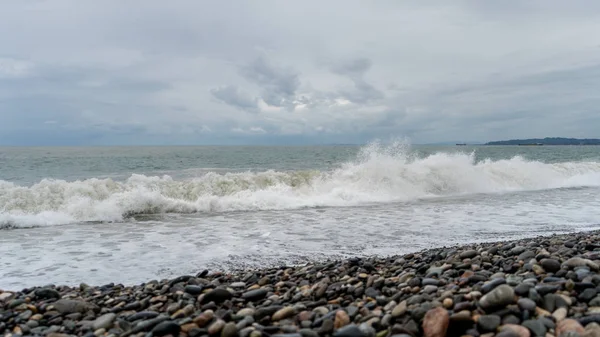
[[128, 215]]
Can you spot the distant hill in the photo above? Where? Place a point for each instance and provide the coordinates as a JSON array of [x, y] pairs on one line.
[[452, 143], [547, 141]]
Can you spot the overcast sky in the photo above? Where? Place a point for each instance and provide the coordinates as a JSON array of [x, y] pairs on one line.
[[271, 71]]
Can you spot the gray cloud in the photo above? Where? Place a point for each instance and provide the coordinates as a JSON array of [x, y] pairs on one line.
[[356, 70], [279, 84], [155, 74], [513, 105], [362, 92], [234, 96]]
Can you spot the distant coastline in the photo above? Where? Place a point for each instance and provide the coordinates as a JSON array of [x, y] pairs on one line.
[[547, 141]]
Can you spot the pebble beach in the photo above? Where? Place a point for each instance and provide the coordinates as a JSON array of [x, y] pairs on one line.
[[542, 286]]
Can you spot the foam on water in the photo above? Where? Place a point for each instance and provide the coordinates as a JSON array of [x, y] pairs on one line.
[[379, 174]]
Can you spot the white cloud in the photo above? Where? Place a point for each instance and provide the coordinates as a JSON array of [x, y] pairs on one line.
[[432, 71], [253, 130]]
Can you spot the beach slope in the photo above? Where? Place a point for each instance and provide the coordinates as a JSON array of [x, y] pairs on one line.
[[544, 286]]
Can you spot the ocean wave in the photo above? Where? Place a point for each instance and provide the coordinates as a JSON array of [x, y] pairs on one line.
[[378, 174]]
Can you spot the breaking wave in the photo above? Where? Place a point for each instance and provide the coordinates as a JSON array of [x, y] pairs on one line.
[[378, 174]]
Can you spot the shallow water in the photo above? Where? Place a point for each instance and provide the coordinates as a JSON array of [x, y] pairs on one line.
[[258, 210]]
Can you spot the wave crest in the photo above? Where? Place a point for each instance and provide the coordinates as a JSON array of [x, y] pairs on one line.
[[378, 174]]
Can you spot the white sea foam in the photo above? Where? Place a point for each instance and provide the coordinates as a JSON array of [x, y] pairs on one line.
[[379, 174]]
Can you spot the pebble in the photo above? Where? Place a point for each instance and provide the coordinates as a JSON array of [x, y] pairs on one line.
[[468, 254], [341, 319], [560, 314], [166, 328], [430, 289], [255, 295], [588, 294], [492, 285], [193, 289], [488, 323], [513, 280], [523, 289], [326, 327], [550, 265], [104, 322], [500, 296], [283, 313], [526, 255], [536, 327], [526, 304], [400, 309], [229, 330], [217, 295], [47, 293], [246, 312], [518, 330], [5, 296], [349, 331], [435, 323], [65, 306], [579, 262], [569, 326], [592, 330], [216, 327], [142, 315]]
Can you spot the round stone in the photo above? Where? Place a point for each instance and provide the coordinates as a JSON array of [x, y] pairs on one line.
[[550, 265], [526, 304], [488, 323]]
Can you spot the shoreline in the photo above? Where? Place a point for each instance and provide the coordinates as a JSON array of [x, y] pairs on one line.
[[523, 287]]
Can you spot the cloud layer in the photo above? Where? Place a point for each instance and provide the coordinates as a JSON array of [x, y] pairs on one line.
[[201, 72]]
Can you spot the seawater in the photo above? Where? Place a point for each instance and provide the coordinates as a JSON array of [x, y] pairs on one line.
[[131, 214]]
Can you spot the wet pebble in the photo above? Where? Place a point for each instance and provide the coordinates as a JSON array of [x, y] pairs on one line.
[[500, 296], [488, 323], [435, 322], [166, 328], [104, 322], [536, 327], [526, 304], [550, 265], [255, 295]]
